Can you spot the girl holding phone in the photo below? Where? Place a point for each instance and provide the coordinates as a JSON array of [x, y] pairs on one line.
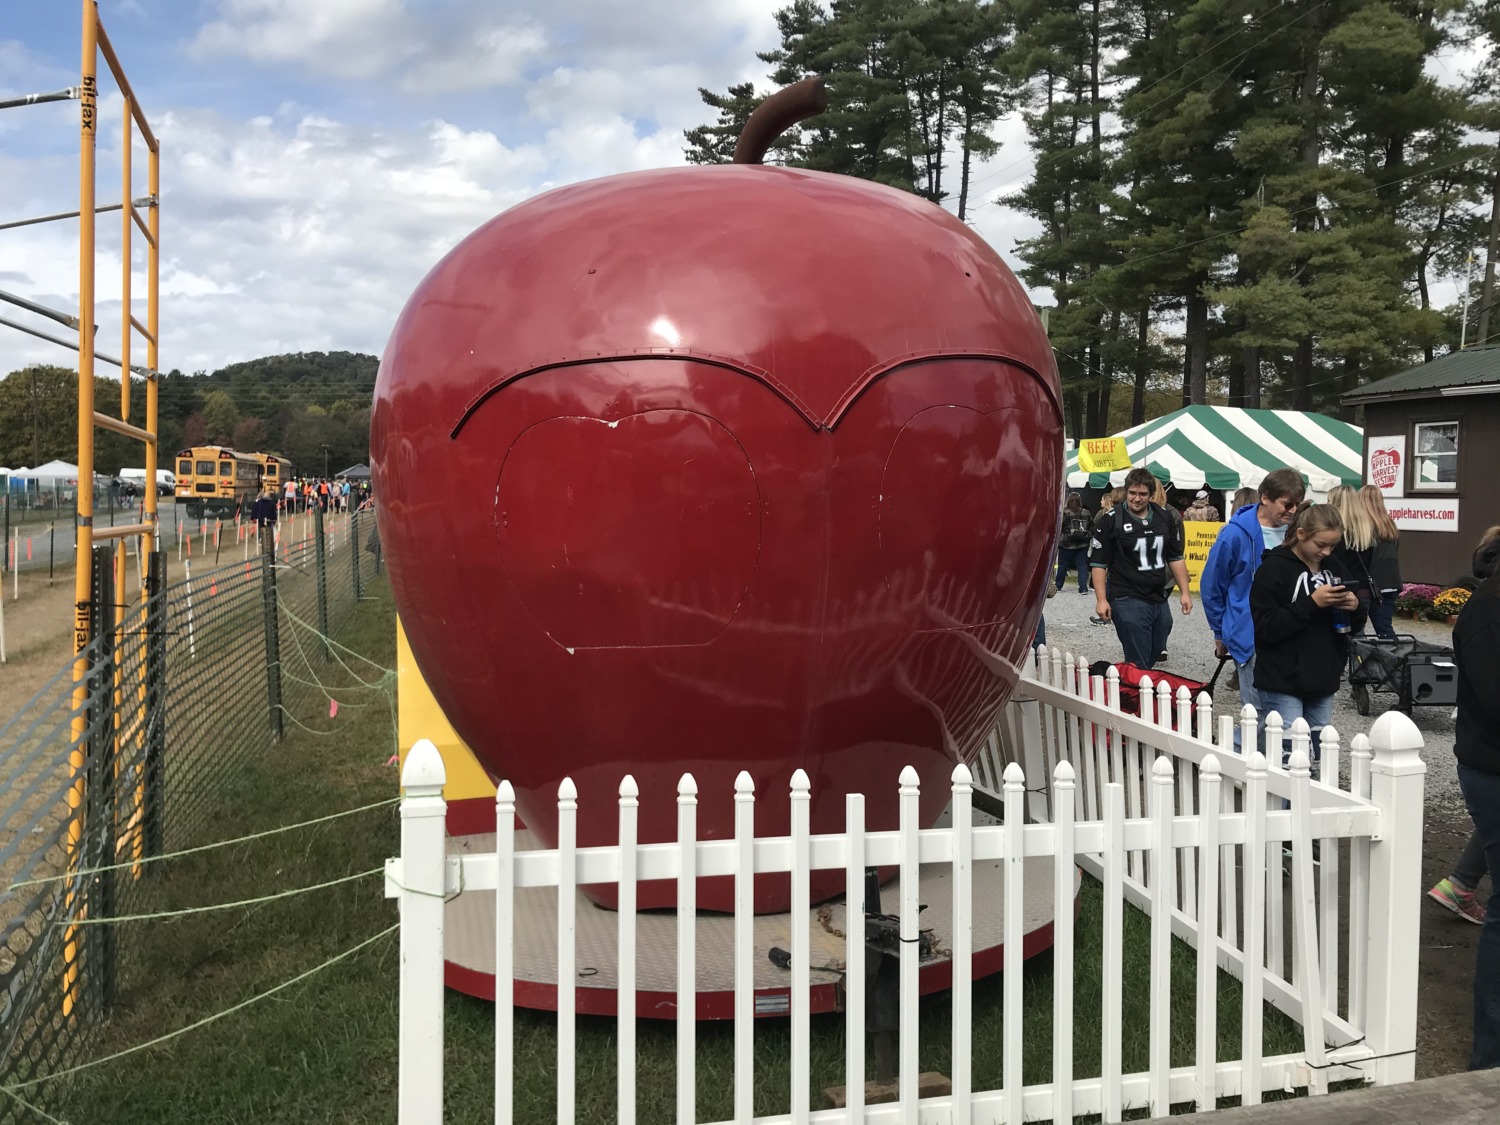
[[1303, 606]]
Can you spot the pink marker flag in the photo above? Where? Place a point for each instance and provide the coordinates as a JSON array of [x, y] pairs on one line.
[[333, 708]]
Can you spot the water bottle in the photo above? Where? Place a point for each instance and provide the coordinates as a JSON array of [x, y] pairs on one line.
[[1341, 619]]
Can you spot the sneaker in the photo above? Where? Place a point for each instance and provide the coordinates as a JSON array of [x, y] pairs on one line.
[[1462, 903], [1052, 589], [1162, 656]]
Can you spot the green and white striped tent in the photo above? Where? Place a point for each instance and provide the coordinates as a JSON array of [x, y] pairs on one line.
[[1227, 448]]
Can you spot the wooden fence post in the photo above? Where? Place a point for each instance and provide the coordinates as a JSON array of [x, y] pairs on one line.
[[420, 900], [1396, 787]]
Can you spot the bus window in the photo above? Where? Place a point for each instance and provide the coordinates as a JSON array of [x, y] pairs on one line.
[[184, 468], [205, 468], [270, 468], [226, 468]]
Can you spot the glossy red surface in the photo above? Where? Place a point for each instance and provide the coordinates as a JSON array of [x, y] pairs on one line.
[[712, 469]]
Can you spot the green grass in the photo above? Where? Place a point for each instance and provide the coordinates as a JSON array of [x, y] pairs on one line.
[[325, 1050]]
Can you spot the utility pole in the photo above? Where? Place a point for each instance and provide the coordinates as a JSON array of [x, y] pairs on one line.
[[1463, 331], [1487, 290]]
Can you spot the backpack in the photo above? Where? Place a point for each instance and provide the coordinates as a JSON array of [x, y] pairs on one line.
[[1076, 528]]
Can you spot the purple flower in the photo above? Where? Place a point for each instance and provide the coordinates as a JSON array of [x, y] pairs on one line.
[[1420, 590]]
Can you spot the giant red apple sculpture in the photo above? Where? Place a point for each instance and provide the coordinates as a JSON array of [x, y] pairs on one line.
[[717, 469]]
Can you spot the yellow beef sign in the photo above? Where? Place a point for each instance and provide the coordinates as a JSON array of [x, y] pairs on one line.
[[1103, 455]]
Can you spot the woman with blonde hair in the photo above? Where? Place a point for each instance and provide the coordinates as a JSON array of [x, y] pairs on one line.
[[1243, 498], [1385, 562], [1357, 547]]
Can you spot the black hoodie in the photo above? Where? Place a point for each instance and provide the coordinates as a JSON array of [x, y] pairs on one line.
[[1476, 644], [1296, 650]]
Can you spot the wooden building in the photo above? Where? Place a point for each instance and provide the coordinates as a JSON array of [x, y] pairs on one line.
[[1432, 444]]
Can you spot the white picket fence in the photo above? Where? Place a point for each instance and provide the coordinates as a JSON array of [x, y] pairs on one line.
[[1174, 824]]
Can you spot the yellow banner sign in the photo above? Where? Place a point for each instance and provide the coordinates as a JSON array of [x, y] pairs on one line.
[[1103, 455], [1198, 538]]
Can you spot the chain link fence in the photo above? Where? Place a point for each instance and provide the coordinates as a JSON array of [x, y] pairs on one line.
[[181, 685]]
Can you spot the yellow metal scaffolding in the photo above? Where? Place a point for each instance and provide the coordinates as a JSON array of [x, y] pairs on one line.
[[95, 42]]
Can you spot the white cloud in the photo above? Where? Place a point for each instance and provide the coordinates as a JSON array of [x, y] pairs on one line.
[[496, 56], [342, 38]]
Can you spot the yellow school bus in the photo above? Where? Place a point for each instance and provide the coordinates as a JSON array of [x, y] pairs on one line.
[[216, 481], [274, 470]]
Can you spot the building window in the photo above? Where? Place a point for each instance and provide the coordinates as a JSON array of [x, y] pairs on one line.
[[1434, 463]]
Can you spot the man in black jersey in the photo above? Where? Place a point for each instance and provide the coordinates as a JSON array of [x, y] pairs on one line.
[[1132, 551]]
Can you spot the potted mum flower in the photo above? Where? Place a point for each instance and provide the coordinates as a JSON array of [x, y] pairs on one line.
[[1448, 603], [1416, 600]]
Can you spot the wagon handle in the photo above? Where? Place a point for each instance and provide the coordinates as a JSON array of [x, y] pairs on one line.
[[1209, 687]]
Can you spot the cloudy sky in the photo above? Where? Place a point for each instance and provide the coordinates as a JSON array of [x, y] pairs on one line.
[[318, 156]]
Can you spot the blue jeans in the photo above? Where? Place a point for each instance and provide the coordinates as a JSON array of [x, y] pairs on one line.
[[1073, 558], [1471, 865], [1039, 638], [1248, 695], [1482, 795], [1143, 628], [1383, 613], [1316, 709]]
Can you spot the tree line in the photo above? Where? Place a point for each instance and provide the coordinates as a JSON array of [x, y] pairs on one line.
[[1240, 201], [311, 407]]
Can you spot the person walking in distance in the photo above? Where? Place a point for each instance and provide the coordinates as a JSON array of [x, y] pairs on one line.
[[1132, 552], [1252, 530], [1073, 544], [263, 512], [1201, 510], [1303, 608]]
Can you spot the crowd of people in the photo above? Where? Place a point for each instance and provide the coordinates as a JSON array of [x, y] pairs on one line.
[[304, 493], [1285, 585]]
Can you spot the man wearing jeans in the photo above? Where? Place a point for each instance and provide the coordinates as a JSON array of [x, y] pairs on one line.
[[1232, 562], [1132, 551]]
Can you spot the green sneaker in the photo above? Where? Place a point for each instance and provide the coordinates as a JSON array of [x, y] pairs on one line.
[[1462, 903]]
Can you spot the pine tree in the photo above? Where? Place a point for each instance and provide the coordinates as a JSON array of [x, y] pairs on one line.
[[714, 144]]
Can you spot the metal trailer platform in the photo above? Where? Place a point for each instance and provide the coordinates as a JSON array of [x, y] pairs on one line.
[[469, 925]]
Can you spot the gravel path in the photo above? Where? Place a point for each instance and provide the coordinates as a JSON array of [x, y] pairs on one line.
[[1191, 653]]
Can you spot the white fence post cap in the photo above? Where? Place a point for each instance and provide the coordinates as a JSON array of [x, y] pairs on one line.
[[424, 767], [1396, 744]]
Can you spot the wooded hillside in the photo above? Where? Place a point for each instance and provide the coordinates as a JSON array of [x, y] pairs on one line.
[[313, 407]]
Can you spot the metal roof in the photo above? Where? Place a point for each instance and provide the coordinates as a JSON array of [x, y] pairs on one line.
[[1475, 369]]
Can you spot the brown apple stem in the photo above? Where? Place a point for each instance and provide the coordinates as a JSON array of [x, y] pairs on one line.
[[776, 115]]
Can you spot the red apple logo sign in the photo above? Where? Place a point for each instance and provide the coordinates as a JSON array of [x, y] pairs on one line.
[[720, 468], [1385, 468]]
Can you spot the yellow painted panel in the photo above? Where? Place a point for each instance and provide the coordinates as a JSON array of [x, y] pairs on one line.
[[1198, 540], [419, 716]]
